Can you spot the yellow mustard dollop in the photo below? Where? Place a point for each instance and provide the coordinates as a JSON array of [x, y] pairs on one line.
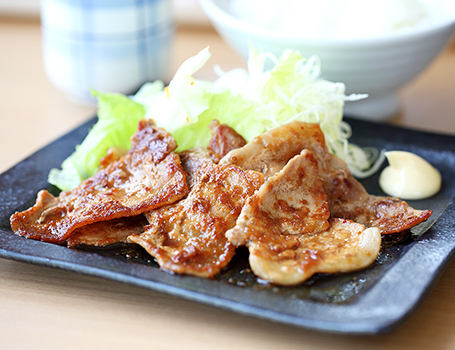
[[409, 176]]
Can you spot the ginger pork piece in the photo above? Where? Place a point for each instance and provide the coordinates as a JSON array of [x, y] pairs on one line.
[[188, 237], [223, 140], [148, 176], [105, 233], [348, 199], [194, 162], [287, 228]]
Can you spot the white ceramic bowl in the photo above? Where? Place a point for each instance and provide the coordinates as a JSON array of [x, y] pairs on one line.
[[377, 66]]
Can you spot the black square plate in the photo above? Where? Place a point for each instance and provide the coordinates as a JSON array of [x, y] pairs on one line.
[[371, 301]]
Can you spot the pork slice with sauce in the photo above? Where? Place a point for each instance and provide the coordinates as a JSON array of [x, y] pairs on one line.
[[287, 228], [188, 237], [348, 199], [223, 140], [104, 233], [147, 177]]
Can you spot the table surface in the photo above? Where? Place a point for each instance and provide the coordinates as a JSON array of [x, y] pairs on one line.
[[46, 308]]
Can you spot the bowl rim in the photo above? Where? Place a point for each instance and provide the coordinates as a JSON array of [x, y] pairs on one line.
[[218, 15]]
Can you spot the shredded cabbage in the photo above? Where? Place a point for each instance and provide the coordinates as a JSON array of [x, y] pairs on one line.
[[256, 100], [251, 101]]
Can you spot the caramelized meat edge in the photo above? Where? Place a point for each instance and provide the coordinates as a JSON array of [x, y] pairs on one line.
[[290, 235], [105, 233], [348, 199], [188, 237], [224, 139], [148, 176]]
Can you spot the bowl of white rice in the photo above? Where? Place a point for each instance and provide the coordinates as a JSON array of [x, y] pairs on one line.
[[373, 47]]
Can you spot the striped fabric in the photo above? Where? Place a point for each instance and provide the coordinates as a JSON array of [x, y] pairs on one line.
[[109, 45]]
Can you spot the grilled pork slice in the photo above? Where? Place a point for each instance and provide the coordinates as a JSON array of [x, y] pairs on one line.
[[289, 234], [345, 246], [104, 233], [194, 162], [271, 151], [99, 234], [188, 237], [348, 199], [224, 139], [148, 176]]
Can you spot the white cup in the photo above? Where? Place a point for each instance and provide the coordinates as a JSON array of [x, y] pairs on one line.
[[106, 45]]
